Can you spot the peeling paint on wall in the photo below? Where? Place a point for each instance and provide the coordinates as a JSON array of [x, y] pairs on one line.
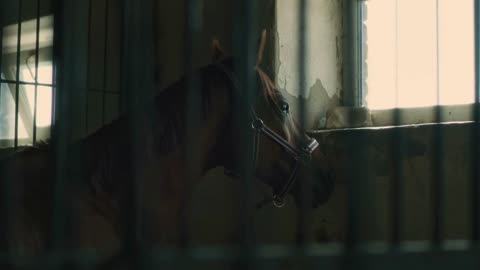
[[322, 34], [317, 105], [323, 64]]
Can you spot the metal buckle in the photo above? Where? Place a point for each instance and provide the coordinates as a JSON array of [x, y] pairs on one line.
[[279, 202], [257, 124], [311, 146]]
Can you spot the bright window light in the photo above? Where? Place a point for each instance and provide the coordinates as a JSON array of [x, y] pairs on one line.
[[32, 100], [44, 95], [407, 63], [7, 116]]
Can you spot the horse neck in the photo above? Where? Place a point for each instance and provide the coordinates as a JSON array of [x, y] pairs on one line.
[[166, 132]]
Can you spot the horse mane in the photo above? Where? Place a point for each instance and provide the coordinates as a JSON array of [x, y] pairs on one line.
[[168, 119], [168, 112], [270, 89]]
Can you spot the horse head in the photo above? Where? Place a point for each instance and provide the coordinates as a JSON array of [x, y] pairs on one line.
[[284, 155]]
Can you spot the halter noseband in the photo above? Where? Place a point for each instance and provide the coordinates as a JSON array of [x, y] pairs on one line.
[[302, 155]]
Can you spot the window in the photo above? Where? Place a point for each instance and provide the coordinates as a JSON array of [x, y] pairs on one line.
[[27, 72], [417, 53]]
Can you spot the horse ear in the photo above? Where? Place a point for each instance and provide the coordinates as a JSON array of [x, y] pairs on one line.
[[261, 47], [217, 52]]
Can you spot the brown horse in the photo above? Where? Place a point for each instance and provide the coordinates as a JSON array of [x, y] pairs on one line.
[[100, 203]]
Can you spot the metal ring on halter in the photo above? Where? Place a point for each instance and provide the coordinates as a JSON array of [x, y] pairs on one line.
[[279, 202], [257, 124]]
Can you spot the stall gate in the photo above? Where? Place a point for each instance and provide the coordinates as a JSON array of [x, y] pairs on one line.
[[70, 67]]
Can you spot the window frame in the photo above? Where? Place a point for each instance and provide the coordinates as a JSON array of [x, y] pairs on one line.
[[8, 61], [385, 117], [24, 113]]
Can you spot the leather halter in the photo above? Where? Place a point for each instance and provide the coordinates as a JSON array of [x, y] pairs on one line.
[[302, 155]]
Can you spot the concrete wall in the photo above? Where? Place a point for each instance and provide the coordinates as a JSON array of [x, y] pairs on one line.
[[323, 55]]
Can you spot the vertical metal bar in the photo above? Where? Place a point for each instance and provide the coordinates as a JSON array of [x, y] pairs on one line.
[[1, 55], [193, 111], [37, 41], [60, 130], [358, 175], [137, 73], [55, 54], [17, 75], [351, 54], [132, 237], [69, 54], [475, 155], [358, 73], [244, 42], [1, 50], [397, 189], [305, 185], [396, 54], [6, 200], [438, 152], [5, 180], [54, 88], [105, 47], [397, 145], [89, 38], [352, 219], [124, 61]]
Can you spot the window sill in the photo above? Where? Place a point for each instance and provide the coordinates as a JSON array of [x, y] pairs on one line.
[[361, 117]]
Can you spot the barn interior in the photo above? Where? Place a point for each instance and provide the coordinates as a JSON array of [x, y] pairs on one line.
[[405, 173]]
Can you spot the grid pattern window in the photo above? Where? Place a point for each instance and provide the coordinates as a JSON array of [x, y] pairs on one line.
[[26, 93], [417, 53]]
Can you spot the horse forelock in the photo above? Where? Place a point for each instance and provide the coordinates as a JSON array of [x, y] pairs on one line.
[[269, 89]]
